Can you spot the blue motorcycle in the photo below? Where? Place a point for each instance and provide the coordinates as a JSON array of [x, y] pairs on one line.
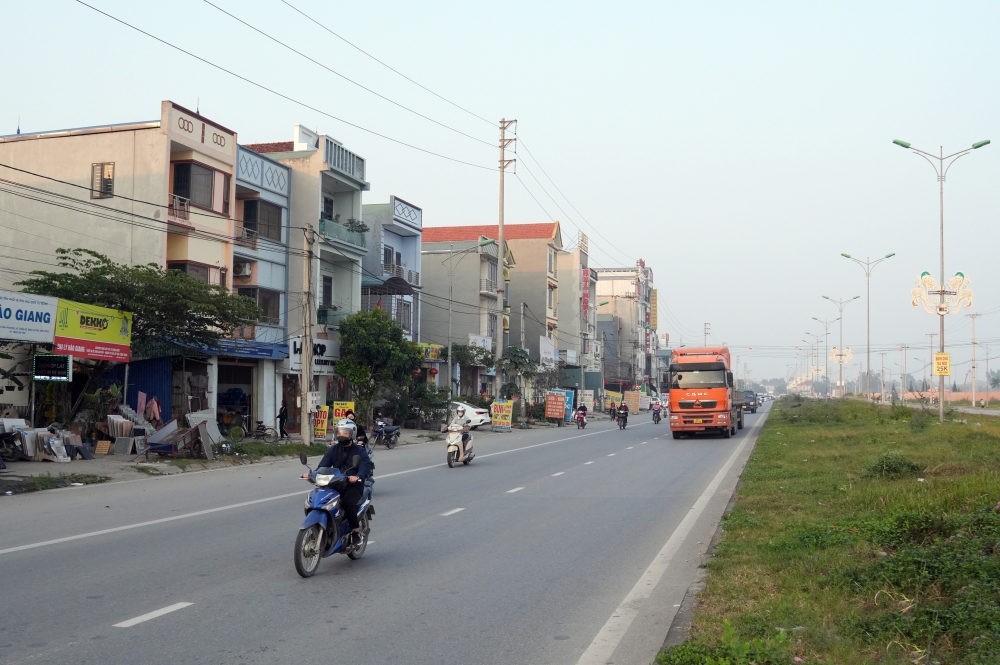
[[387, 435], [325, 530]]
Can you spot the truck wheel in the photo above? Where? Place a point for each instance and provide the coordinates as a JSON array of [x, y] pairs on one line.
[[726, 433], [677, 435], [739, 423]]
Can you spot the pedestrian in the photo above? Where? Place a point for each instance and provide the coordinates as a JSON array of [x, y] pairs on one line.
[[614, 411], [282, 418]]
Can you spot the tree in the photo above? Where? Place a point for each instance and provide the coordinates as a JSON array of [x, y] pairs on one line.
[[469, 355], [166, 306], [516, 363], [374, 356]]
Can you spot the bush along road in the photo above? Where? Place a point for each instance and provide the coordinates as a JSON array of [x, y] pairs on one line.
[[860, 534]]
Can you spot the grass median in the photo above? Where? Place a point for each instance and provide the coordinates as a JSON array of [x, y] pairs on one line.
[[860, 534]]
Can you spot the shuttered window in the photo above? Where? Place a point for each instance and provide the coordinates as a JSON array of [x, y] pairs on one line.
[[194, 182], [102, 180]]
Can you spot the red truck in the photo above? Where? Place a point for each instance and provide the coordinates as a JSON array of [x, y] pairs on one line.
[[702, 396]]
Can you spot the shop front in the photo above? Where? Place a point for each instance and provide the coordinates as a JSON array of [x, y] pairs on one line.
[[325, 382]]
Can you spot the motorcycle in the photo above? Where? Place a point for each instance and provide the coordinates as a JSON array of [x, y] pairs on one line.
[[459, 451], [581, 420], [622, 420], [325, 530], [387, 435], [656, 417], [10, 447]]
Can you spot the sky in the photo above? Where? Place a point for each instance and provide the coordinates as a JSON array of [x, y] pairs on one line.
[[738, 148]]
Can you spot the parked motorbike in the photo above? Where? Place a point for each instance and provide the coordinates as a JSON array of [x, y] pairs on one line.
[[656, 417], [581, 420], [387, 435], [10, 447], [622, 420], [459, 451], [325, 530]]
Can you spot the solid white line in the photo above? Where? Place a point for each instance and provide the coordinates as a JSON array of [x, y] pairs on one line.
[[603, 646], [516, 489], [152, 615], [558, 474], [452, 512], [591, 462]]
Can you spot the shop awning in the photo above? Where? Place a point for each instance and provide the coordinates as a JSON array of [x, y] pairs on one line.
[[390, 286]]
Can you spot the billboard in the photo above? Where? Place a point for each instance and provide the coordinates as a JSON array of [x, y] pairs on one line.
[[88, 331], [653, 309], [555, 404], [501, 414], [27, 318], [942, 364], [546, 352]]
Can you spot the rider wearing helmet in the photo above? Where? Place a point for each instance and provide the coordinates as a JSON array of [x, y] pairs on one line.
[[340, 456], [459, 419], [362, 436]]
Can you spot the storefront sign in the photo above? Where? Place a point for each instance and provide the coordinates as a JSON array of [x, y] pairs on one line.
[[482, 341], [323, 357], [88, 331], [555, 404], [632, 400], [340, 409], [654, 310], [546, 352], [644, 402], [501, 413], [53, 367], [432, 352], [27, 318], [587, 398], [585, 296], [320, 421], [942, 364]]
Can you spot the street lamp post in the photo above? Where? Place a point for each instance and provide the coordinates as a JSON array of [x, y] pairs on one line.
[[813, 354], [840, 308], [867, 266], [826, 350], [945, 305]]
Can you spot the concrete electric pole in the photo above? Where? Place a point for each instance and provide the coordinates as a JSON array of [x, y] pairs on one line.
[[501, 253], [305, 410]]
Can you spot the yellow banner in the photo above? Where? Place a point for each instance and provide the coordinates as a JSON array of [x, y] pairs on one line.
[[320, 421], [942, 364], [88, 331], [501, 412], [653, 309], [340, 410], [430, 351]]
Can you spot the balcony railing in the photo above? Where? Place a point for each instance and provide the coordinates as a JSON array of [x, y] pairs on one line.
[[488, 286], [396, 270], [246, 237], [334, 231], [328, 316], [179, 207]]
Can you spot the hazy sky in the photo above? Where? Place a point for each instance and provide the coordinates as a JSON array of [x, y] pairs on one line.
[[738, 147]]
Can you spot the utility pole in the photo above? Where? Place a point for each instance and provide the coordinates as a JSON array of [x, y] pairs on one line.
[[524, 388], [305, 411], [987, 374], [501, 253], [708, 331], [881, 377], [974, 317], [931, 365]]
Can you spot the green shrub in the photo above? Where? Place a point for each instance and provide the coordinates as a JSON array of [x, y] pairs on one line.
[[891, 466], [730, 651]]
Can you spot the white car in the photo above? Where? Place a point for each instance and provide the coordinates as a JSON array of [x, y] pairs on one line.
[[477, 415]]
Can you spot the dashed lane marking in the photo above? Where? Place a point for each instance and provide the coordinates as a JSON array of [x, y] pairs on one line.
[[152, 615], [452, 512], [516, 489], [558, 474]]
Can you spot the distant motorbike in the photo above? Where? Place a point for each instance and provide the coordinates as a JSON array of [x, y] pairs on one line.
[[622, 420], [459, 451], [325, 530], [387, 435], [656, 417], [581, 420]]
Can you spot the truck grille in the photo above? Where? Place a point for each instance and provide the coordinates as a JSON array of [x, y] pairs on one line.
[[705, 404]]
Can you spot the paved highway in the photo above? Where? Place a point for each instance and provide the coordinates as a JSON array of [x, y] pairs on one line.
[[554, 546]]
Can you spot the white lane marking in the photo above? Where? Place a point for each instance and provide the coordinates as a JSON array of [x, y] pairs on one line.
[[606, 641], [516, 489], [152, 615], [452, 512], [630, 448], [585, 463], [56, 541], [611, 455], [559, 474], [644, 443]]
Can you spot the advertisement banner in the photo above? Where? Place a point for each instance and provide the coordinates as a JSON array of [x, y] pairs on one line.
[[654, 312], [587, 397], [52, 367], [611, 396], [942, 364], [632, 400], [482, 341], [321, 420], [340, 410], [501, 411], [555, 404], [27, 318], [568, 408], [644, 402], [546, 352], [88, 331], [432, 352], [324, 359], [585, 294]]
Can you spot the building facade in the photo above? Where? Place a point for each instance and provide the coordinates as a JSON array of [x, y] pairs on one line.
[[391, 279], [577, 332], [625, 294]]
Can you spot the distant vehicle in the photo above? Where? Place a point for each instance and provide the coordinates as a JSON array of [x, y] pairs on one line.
[[702, 396], [750, 401], [474, 414]]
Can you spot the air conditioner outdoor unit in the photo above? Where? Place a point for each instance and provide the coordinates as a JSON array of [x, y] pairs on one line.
[[242, 270]]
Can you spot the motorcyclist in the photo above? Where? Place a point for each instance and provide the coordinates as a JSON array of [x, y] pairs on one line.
[[581, 410], [622, 412], [657, 407], [339, 456], [459, 420]]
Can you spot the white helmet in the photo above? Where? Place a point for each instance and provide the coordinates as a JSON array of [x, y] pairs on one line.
[[460, 410], [345, 431]]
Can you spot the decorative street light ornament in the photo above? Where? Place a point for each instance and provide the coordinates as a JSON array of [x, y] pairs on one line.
[[841, 357], [939, 300]]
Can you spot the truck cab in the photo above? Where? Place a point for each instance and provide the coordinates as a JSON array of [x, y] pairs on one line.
[[702, 396]]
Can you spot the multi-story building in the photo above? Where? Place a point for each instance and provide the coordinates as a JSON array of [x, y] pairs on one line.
[[627, 293], [460, 265], [577, 319], [327, 182], [391, 278]]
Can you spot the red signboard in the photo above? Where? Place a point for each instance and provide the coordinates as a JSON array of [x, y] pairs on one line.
[[93, 349], [586, 292]]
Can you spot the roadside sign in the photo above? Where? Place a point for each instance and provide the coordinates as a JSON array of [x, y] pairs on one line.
[[942, 364], [47, 367], [320, 421], [501, 411], [555, 404]]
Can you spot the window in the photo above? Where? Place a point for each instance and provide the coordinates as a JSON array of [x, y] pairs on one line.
[[251, 213], [268, 301], [491, 325], [192, 270], [327, 208], [552, 298], [102, 179], [387, 254], [551, 261], [227, 181], [269, 221], [399, 259], [403, 314], [194, 182], [491, 271], [327, 300]]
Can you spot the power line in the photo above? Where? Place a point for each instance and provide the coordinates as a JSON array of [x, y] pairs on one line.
[[444, 99], [282, 95], [349, 80]]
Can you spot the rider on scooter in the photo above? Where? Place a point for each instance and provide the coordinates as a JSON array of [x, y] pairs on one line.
[[339, 457], [656, 409], [623, 412], [582, 411], [459, 421]]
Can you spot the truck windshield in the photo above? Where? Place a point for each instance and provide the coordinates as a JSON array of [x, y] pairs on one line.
[[711, 378]]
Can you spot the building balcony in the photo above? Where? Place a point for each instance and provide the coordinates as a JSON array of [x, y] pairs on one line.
[[488, 287], [336, 232], [245, 237], [331, 316], [394, 270], [179, 207]]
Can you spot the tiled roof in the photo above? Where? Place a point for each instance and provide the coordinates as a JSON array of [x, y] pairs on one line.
[[545, 230], [279, 146]]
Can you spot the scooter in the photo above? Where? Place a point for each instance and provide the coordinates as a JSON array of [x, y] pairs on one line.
[[387, 435], [622, 420], [325, 530], [459, 451], [581, 420], [656, 417]]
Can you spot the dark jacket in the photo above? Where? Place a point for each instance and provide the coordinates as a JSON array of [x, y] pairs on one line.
[[339, 457]]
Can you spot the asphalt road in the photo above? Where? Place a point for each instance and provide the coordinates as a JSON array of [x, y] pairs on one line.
[[554, 546]]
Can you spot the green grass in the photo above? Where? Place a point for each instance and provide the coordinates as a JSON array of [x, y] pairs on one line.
[[47, 482], [860, 534]]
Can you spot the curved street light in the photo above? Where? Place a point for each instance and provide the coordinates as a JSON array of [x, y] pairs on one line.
[[867, 266], [840, 308]]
